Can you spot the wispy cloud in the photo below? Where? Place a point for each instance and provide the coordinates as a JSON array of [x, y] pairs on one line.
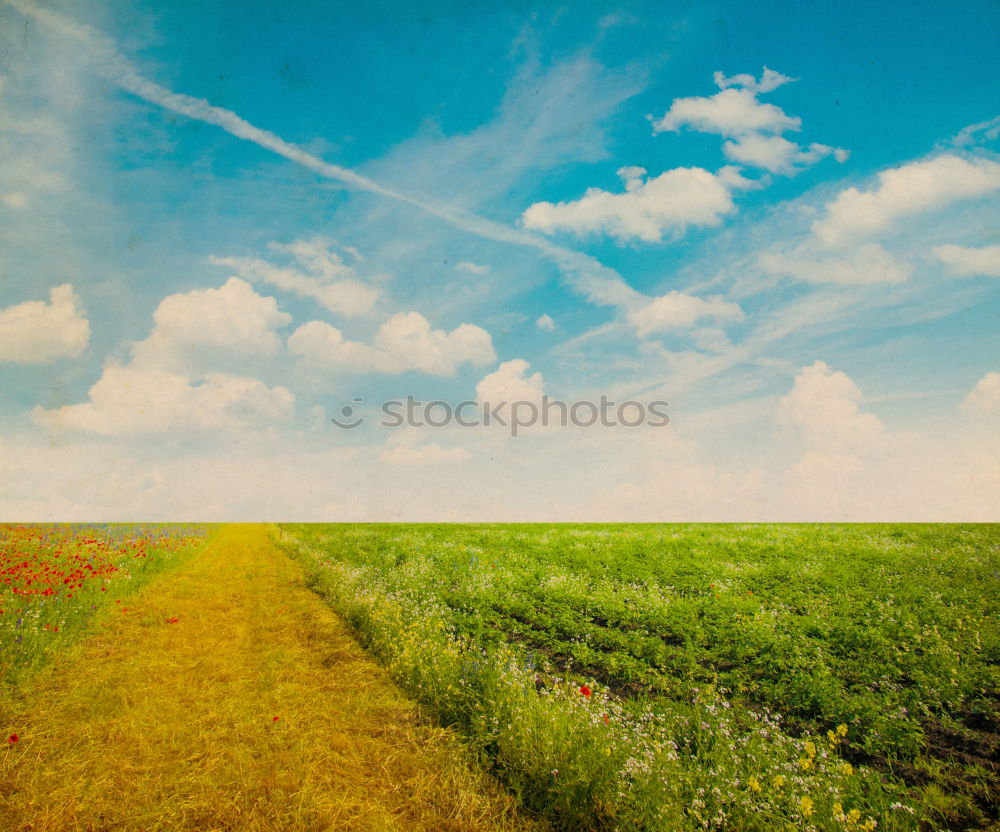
[[596, 282]]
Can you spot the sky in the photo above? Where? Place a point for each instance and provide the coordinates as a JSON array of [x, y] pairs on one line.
[[225, 225]]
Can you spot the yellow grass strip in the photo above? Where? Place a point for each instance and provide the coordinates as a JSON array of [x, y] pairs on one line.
[[152, 725]]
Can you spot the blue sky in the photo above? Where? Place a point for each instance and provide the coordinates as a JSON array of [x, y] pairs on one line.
[[781, 218]]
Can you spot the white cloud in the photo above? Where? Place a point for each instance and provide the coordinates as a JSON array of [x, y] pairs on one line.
[[823, 408], [984, 131], [753, 129], [171, 384], [776, 154], [194, 325], [968, 262], [909, 189], [37, 332], [405, 448], [677, 310], [984, 398], [865, 265], [648, 208], [127, 401], [323, 276], [546, 323], [731, 112], [511, 383], [472, 268], [403, 343], [769, 80]]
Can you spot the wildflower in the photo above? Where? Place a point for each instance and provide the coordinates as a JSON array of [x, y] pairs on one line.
[[848, 769], [811, 749], [275, 718], [585, 691], [853, 816], [842, 730], [754, 784], [806, 805], [805, 764], [779, 781], [607, 720], [869, 824], [13, 738], [838, 812]]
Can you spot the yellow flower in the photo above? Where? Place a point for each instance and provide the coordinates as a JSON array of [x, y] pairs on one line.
[[842, 730], [832, 737], [869, 825], [779, 781], [805, 764], [811, 749], [847, 768], [754, 784], [853, 816], [807, 805], [838, 812]]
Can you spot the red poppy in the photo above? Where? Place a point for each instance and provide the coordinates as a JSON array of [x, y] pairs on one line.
[[607, 720], [585, 691], [275, 718], [13, 738]]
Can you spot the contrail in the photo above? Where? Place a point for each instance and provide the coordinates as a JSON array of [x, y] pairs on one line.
[[598, 283]]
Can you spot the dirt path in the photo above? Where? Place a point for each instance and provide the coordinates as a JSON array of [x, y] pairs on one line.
[[254, 711]]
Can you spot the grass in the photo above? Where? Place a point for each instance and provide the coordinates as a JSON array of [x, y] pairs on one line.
[[231, 698], [55, 579], [740, 677]]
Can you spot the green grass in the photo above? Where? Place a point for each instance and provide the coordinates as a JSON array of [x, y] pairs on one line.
[[720, 657]]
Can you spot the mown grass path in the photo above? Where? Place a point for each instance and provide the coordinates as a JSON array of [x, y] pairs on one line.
[[255, 710]]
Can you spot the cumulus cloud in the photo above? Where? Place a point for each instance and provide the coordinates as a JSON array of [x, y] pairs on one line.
[[404, 343], [910, 189], [648, 208], [822, 407], [322, 275], [405, 448], [511, 383], [777, 154], [970, 262], [677, 310], [865, 265], [546, 323], [984, 398], [190, 326], [129, 401], [735, 111], [753, 129], [37, 332], [171, 384]]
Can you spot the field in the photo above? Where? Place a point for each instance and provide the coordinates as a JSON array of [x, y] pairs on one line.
[[54, 579], [700, 676], [637, 678]]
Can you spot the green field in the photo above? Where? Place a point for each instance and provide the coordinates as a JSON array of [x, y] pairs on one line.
[[695, 676]]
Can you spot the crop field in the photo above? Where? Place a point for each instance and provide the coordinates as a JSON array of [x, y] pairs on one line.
[[647, 677], [54, 579]]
